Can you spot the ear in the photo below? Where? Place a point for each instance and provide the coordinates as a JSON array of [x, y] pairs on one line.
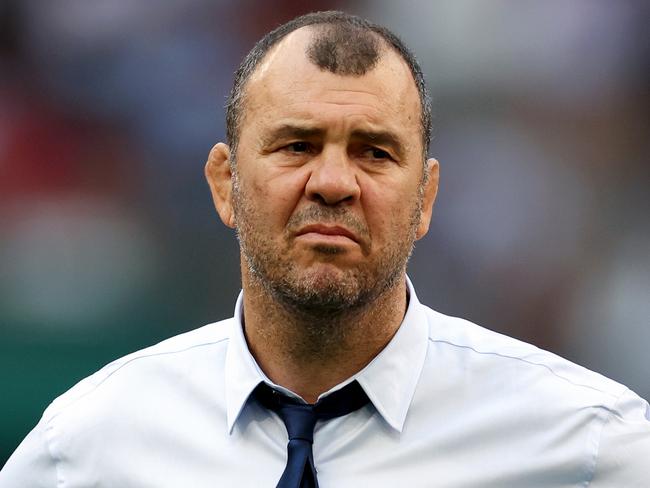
[[428, 197], [219, 176]]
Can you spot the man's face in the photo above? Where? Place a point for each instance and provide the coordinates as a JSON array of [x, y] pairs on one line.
[[328, 197]]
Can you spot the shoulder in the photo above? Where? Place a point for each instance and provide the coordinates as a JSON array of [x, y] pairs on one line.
[[490, 387], [104, 419], [125, 379], [492, 353]]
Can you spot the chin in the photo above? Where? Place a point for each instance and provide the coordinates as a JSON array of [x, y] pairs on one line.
[[326, 275], [322, 289]]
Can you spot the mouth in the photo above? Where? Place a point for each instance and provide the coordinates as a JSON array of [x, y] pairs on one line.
[[328, 233]]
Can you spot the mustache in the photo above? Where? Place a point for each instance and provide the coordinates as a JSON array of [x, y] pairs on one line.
[[329, 215]]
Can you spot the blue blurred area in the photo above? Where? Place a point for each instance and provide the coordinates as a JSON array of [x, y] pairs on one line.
[[109, 241]]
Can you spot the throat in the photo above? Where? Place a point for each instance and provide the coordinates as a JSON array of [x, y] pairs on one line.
[[309, 352]]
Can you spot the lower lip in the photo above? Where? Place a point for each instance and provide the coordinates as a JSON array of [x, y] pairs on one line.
[[332, 239]]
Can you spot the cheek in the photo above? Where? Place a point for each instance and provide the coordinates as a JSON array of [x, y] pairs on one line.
[[381, 203], [388, 209], [276, 194]]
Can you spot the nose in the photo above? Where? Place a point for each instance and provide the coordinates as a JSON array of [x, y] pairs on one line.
[[333, 179]]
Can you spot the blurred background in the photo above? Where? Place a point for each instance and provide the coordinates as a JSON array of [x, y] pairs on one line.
[[109, 241]]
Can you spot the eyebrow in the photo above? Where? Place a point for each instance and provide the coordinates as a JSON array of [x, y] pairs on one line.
[[289, 131], [382, 138]]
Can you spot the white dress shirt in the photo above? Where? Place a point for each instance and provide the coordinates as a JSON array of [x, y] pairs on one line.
[[452, 405]]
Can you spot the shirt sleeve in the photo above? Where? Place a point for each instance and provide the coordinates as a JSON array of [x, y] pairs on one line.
[[31, 465], [624, 454]]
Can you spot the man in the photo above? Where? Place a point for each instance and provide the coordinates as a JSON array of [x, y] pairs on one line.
[[331, 373]]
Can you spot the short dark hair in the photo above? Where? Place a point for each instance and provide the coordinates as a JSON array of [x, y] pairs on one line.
[[333, 52], [344, 50]]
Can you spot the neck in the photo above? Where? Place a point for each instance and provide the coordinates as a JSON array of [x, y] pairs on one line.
[[310, 354]]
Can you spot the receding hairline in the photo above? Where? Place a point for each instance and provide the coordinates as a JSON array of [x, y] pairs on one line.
[[312, 30], [383, 47], [327, 56]]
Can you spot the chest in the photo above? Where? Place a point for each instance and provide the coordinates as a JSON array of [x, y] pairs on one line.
[[469, 449]]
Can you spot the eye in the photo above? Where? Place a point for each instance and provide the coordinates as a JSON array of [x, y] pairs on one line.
[[376, 153], [298, 147]]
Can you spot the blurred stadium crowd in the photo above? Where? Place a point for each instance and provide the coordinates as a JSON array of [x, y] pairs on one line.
[[108, 238]]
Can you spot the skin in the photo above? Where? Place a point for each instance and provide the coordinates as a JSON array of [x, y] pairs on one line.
[[328, 197]]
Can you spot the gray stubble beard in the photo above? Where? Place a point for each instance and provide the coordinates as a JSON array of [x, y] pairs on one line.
[[325, 308]]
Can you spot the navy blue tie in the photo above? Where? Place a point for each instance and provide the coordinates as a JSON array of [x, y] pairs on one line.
[[300, 419]]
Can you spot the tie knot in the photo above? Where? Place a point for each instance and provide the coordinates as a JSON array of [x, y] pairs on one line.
[[299, 421], [300, 418]]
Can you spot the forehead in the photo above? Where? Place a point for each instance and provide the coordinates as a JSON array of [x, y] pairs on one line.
[[287, 81]]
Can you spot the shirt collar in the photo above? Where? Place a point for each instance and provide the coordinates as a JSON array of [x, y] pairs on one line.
[[241, 370], [389, 379]]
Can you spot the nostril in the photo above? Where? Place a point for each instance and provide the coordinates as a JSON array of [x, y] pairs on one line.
[[329, 199], [319, 198]]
